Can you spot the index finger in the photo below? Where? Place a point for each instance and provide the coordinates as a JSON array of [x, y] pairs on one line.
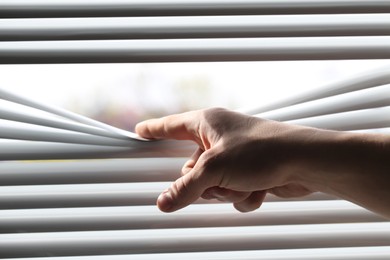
[[180, 127]]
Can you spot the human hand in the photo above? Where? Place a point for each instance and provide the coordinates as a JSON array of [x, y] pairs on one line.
[[238, 160]]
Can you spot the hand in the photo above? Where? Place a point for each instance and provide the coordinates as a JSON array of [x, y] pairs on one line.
[[239, 158]]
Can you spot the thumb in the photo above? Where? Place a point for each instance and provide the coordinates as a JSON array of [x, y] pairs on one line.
[[184, 191]]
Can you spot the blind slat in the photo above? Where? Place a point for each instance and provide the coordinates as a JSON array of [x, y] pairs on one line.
[[34, 150], [373, 97], [91, 171], [182, 240], [199, 215], [185, 50], [80, 195], [194, 27], [353, 120], [85, 8], [335, 253]]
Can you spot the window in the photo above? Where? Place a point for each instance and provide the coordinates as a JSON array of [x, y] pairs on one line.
[[69, 193]]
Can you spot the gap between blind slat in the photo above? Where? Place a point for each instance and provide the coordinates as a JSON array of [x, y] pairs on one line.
[[85, 8], [194, 27], [374, 97], [352, 120], [335, 253], [39, 150], [30, 118], [185, 240], [196, 50], [370, 79], [199, 215]]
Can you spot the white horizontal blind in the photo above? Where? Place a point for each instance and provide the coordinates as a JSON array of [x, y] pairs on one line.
[[86, 8], [169, 31], [104, 209]]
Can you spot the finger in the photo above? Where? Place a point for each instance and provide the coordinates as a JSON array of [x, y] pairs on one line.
[[180, 127], [190, 164], [225, 195], [184, 191], [251, 203], [188, 188]]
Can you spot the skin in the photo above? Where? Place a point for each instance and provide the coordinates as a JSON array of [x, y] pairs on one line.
[[240, 158]]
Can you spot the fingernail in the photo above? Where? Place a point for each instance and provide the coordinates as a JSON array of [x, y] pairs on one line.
[[165, 201]]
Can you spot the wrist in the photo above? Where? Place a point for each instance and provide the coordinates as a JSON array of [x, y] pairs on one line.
[[347, 164]]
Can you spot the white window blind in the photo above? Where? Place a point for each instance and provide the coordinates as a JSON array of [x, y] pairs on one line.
[[100, 204]]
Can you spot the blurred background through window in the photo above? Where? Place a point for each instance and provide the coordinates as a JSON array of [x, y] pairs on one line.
[[124, 94]]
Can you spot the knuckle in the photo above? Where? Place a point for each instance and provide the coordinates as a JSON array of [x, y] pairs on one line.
[[180, 187], [165, 128], [210, 160], [210, 168], [185, 169]]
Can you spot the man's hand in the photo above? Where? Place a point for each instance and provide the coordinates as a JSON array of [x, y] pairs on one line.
[[240, 158], [232, 162]]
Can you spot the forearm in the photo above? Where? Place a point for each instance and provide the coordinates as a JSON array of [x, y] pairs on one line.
[[352, 166]]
